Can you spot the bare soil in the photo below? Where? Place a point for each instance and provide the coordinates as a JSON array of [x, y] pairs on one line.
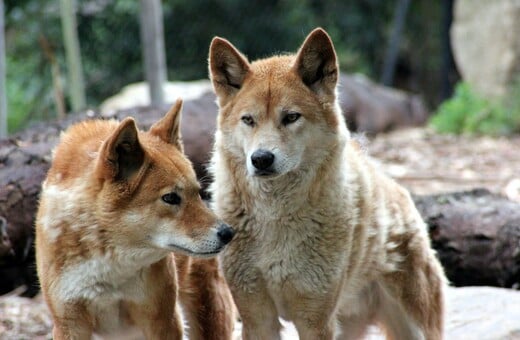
[[428, 163]]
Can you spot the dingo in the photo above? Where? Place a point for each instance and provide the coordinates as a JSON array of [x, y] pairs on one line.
[[115, 204], [322, 238]]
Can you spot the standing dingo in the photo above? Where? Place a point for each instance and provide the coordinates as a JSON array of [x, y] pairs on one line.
[[115, 204], [322, 238]]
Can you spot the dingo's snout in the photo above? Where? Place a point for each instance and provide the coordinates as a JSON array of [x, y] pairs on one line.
[[262, 159], [225, 233]]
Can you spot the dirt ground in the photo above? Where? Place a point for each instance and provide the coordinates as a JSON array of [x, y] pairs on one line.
[[429, 163], [421, 160]]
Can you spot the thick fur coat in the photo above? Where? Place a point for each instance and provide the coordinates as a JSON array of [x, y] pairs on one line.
[[323, 239], [115, 204]]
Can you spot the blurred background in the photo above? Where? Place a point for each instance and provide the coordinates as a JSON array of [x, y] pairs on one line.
[[400, 43], [434, 85], [409, 38]]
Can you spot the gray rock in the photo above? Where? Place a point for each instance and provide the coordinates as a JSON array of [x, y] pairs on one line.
[[482, 313], [485, 44]]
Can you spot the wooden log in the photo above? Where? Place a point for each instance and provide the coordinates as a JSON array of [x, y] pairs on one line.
[[457, 221], [476, 235]]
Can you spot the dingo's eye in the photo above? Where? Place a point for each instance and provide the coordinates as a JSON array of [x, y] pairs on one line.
[[290, 117], [248, 120], [171, 198]]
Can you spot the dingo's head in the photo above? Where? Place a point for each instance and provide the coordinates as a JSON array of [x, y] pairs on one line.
[[115, 186], [277, 115], [156, 190]]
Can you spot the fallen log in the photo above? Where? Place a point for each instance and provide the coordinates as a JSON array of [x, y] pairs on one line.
[[25, 157], [476, 235]]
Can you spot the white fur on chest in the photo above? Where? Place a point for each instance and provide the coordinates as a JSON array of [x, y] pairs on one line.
[[108, 278], [104, 282], [295, 250]]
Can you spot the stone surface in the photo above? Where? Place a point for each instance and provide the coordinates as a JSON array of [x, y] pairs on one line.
[[367, 106], [371, 108], [137, 94], [485, 43], [483, 313]]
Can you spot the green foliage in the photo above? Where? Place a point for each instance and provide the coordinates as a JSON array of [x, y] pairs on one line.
[[17, 92], [468, 113], [28, 79], [111, 49]]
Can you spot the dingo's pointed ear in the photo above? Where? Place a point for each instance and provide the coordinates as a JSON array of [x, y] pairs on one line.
[[227, 69], [121, 155], [316, 63], [169, 127]]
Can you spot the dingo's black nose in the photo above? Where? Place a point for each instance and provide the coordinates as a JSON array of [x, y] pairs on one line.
[[262, 159], [225, 233]]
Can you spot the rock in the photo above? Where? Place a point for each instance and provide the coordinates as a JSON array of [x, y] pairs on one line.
[[485, 313], [367, 106], [372, 108], [485, 44], [482, 313], [512, 190], [22, 318], [137, 94]]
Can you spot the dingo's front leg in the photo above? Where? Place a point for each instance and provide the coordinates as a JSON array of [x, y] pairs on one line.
[[314, 318], [156, 315], [205, 298], [159, 319], [71, 321], [259, 316], [72, 330]]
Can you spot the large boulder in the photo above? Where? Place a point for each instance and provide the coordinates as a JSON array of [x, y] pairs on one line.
[[138, 94], [485, 44], [372, 108], [367, 106]]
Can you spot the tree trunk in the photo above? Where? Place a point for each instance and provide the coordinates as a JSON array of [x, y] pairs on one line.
[[3, 90], [392, 51], [73, 54], [448, 68], [476, 234], [48, 52], [154, 55]]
